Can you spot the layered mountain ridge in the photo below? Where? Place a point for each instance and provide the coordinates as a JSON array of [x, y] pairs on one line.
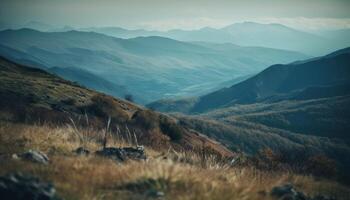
[[150, 68]]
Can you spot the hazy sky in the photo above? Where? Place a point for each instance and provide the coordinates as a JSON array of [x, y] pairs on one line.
[[169, 14]]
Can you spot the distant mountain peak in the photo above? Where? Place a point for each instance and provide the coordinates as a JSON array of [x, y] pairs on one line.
[[38, 25], [249, 24]]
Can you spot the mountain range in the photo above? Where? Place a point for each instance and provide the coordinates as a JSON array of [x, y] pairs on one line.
[[150, 68], [314, 43], [297, 107], [315, 78], [237, 98], [248, 34]]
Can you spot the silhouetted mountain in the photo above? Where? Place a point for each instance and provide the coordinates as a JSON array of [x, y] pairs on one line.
[[152, 67]]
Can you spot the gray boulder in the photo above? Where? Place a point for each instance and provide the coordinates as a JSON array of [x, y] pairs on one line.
[[34, 156], [18, 186]]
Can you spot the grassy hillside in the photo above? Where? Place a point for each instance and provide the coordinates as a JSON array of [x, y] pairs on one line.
[[33, 96], [149, 67], [298, 129], [176, 176]]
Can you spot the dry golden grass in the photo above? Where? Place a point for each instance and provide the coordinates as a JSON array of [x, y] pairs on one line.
[[179, 176]]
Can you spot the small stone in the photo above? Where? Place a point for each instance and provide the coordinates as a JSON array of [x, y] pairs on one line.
[[160, 194], [82, 151], [35, 156], [15, 156]]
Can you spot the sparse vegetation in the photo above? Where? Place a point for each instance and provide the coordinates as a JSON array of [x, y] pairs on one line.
[[171, 129], [105, 106], [69, 101], [57, 117], [146, 119], [93, 177]]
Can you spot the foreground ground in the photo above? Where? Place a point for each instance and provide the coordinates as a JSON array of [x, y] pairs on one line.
[[171, 175]]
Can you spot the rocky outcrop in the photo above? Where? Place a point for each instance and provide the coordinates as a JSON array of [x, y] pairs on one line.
[[18, 186], [123, 154], [33, 156]]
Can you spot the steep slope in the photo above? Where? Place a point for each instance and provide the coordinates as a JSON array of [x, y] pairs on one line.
[[80, 76], [90, 80], [34, 96], [152, 67]]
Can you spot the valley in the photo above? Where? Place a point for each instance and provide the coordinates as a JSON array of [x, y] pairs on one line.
[[295, 108], [155, 67]]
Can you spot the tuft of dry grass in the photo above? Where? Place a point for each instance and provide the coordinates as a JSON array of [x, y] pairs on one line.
[[180, 175]]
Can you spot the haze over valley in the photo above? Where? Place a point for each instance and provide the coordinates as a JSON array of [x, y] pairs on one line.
[[150, 68]]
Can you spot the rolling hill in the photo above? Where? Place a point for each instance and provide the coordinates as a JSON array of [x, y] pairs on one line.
[[149, 67], [295, 108], [31, 95], [316, 78]]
